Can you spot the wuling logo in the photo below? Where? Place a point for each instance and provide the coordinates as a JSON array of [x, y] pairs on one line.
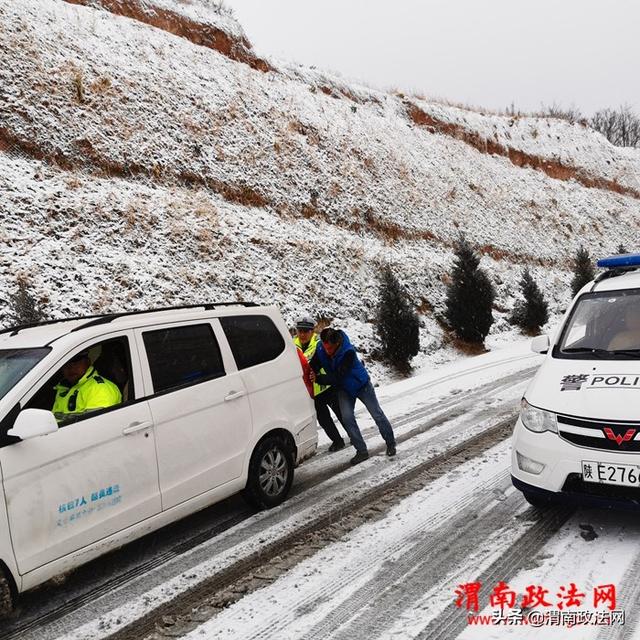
[[617, 438]]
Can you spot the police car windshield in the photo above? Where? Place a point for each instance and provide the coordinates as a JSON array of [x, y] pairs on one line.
[[15, 364], [603, 325]]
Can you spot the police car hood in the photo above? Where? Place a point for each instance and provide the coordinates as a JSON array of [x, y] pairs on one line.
[[606, 389]]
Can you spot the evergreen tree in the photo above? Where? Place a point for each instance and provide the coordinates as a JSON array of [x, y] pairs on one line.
[[532, 312], [23, 306], [398, 324], [583, 270], [469, 296]]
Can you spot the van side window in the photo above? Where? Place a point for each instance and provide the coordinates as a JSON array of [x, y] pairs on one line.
[[182, 356], [253, 339]]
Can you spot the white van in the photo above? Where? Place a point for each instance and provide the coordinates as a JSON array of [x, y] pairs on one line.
[[212, 402], [578, 435]]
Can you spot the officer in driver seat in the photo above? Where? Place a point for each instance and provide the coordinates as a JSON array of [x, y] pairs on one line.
[[629, 336], [82, 389]]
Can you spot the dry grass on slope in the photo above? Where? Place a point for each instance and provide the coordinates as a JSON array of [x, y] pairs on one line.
[[553, 168], [235, 47]]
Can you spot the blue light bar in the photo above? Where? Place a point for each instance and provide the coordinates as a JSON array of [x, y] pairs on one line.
[[616, 262]]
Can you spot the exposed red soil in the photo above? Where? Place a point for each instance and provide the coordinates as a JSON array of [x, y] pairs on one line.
[[468, 348], [241, 51], [391, 232], [90, 159], [200, 34], [552, 168]]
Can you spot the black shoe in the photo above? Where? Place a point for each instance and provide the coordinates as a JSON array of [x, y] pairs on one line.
[[336, 446], [391, 450], [360, 456]]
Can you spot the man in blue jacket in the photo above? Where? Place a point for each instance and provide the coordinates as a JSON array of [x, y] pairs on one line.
[[337, 356]]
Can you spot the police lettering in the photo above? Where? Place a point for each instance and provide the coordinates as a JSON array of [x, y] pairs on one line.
[[615, 381]]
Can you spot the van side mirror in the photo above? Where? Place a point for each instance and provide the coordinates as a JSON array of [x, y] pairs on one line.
[[32, 423], [540, 344]]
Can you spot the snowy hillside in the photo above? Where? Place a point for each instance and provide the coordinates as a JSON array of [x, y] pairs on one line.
[[140, 167]]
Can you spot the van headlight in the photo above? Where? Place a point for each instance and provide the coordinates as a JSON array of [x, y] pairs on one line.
[[537, 420]]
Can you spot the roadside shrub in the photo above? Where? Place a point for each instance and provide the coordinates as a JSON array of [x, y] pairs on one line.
[[469, 296], [78, 85], [398, 323], [24, 308], [583, 270], [531, 313]]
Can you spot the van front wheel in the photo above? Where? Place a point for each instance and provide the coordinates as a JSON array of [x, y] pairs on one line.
[[6, 596], [270, 473]]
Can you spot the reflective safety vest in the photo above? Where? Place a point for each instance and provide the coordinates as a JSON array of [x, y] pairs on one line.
[[91, 392], [308, 354]]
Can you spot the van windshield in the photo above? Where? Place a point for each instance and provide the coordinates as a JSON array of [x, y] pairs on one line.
[[16, 363], [603, 325]]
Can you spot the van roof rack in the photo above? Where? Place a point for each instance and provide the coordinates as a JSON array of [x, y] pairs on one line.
[[104, 318], [30, 325], [617, 265]]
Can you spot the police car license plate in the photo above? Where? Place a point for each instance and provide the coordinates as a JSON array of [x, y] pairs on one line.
[[627, 475]]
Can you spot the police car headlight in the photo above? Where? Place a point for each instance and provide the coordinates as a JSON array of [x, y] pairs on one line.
[[536, 419]]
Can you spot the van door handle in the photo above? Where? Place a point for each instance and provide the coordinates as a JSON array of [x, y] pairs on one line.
[[232, 395], [135, 427]]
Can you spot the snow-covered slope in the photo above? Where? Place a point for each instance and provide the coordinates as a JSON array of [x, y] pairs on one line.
[[561, 149], [139, 168]]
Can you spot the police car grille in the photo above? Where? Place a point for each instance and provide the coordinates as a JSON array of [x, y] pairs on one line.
[[575, 484], [598, 426]]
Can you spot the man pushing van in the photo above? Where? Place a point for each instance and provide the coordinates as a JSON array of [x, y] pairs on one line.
[[324, 396]]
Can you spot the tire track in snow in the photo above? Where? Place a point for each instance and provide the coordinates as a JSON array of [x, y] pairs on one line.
[[440, 518], [228, 586], [455, 376], [399, 584], [630, 588], [452, 621]]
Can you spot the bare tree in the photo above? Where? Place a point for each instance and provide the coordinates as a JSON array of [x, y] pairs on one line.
[[570, 114], [620, 126]]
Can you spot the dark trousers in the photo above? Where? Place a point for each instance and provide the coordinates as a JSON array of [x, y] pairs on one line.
[[367, 396], [323, 401]]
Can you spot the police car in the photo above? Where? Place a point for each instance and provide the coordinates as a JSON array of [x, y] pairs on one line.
[[577, 438]]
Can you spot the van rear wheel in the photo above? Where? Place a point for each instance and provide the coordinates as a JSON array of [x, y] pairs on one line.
[[270, 473], [6, 596]]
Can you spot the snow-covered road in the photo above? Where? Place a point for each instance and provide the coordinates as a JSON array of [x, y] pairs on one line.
[[376, 550]]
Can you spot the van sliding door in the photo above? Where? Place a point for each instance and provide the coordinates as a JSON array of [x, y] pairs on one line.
[[200, 410]]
